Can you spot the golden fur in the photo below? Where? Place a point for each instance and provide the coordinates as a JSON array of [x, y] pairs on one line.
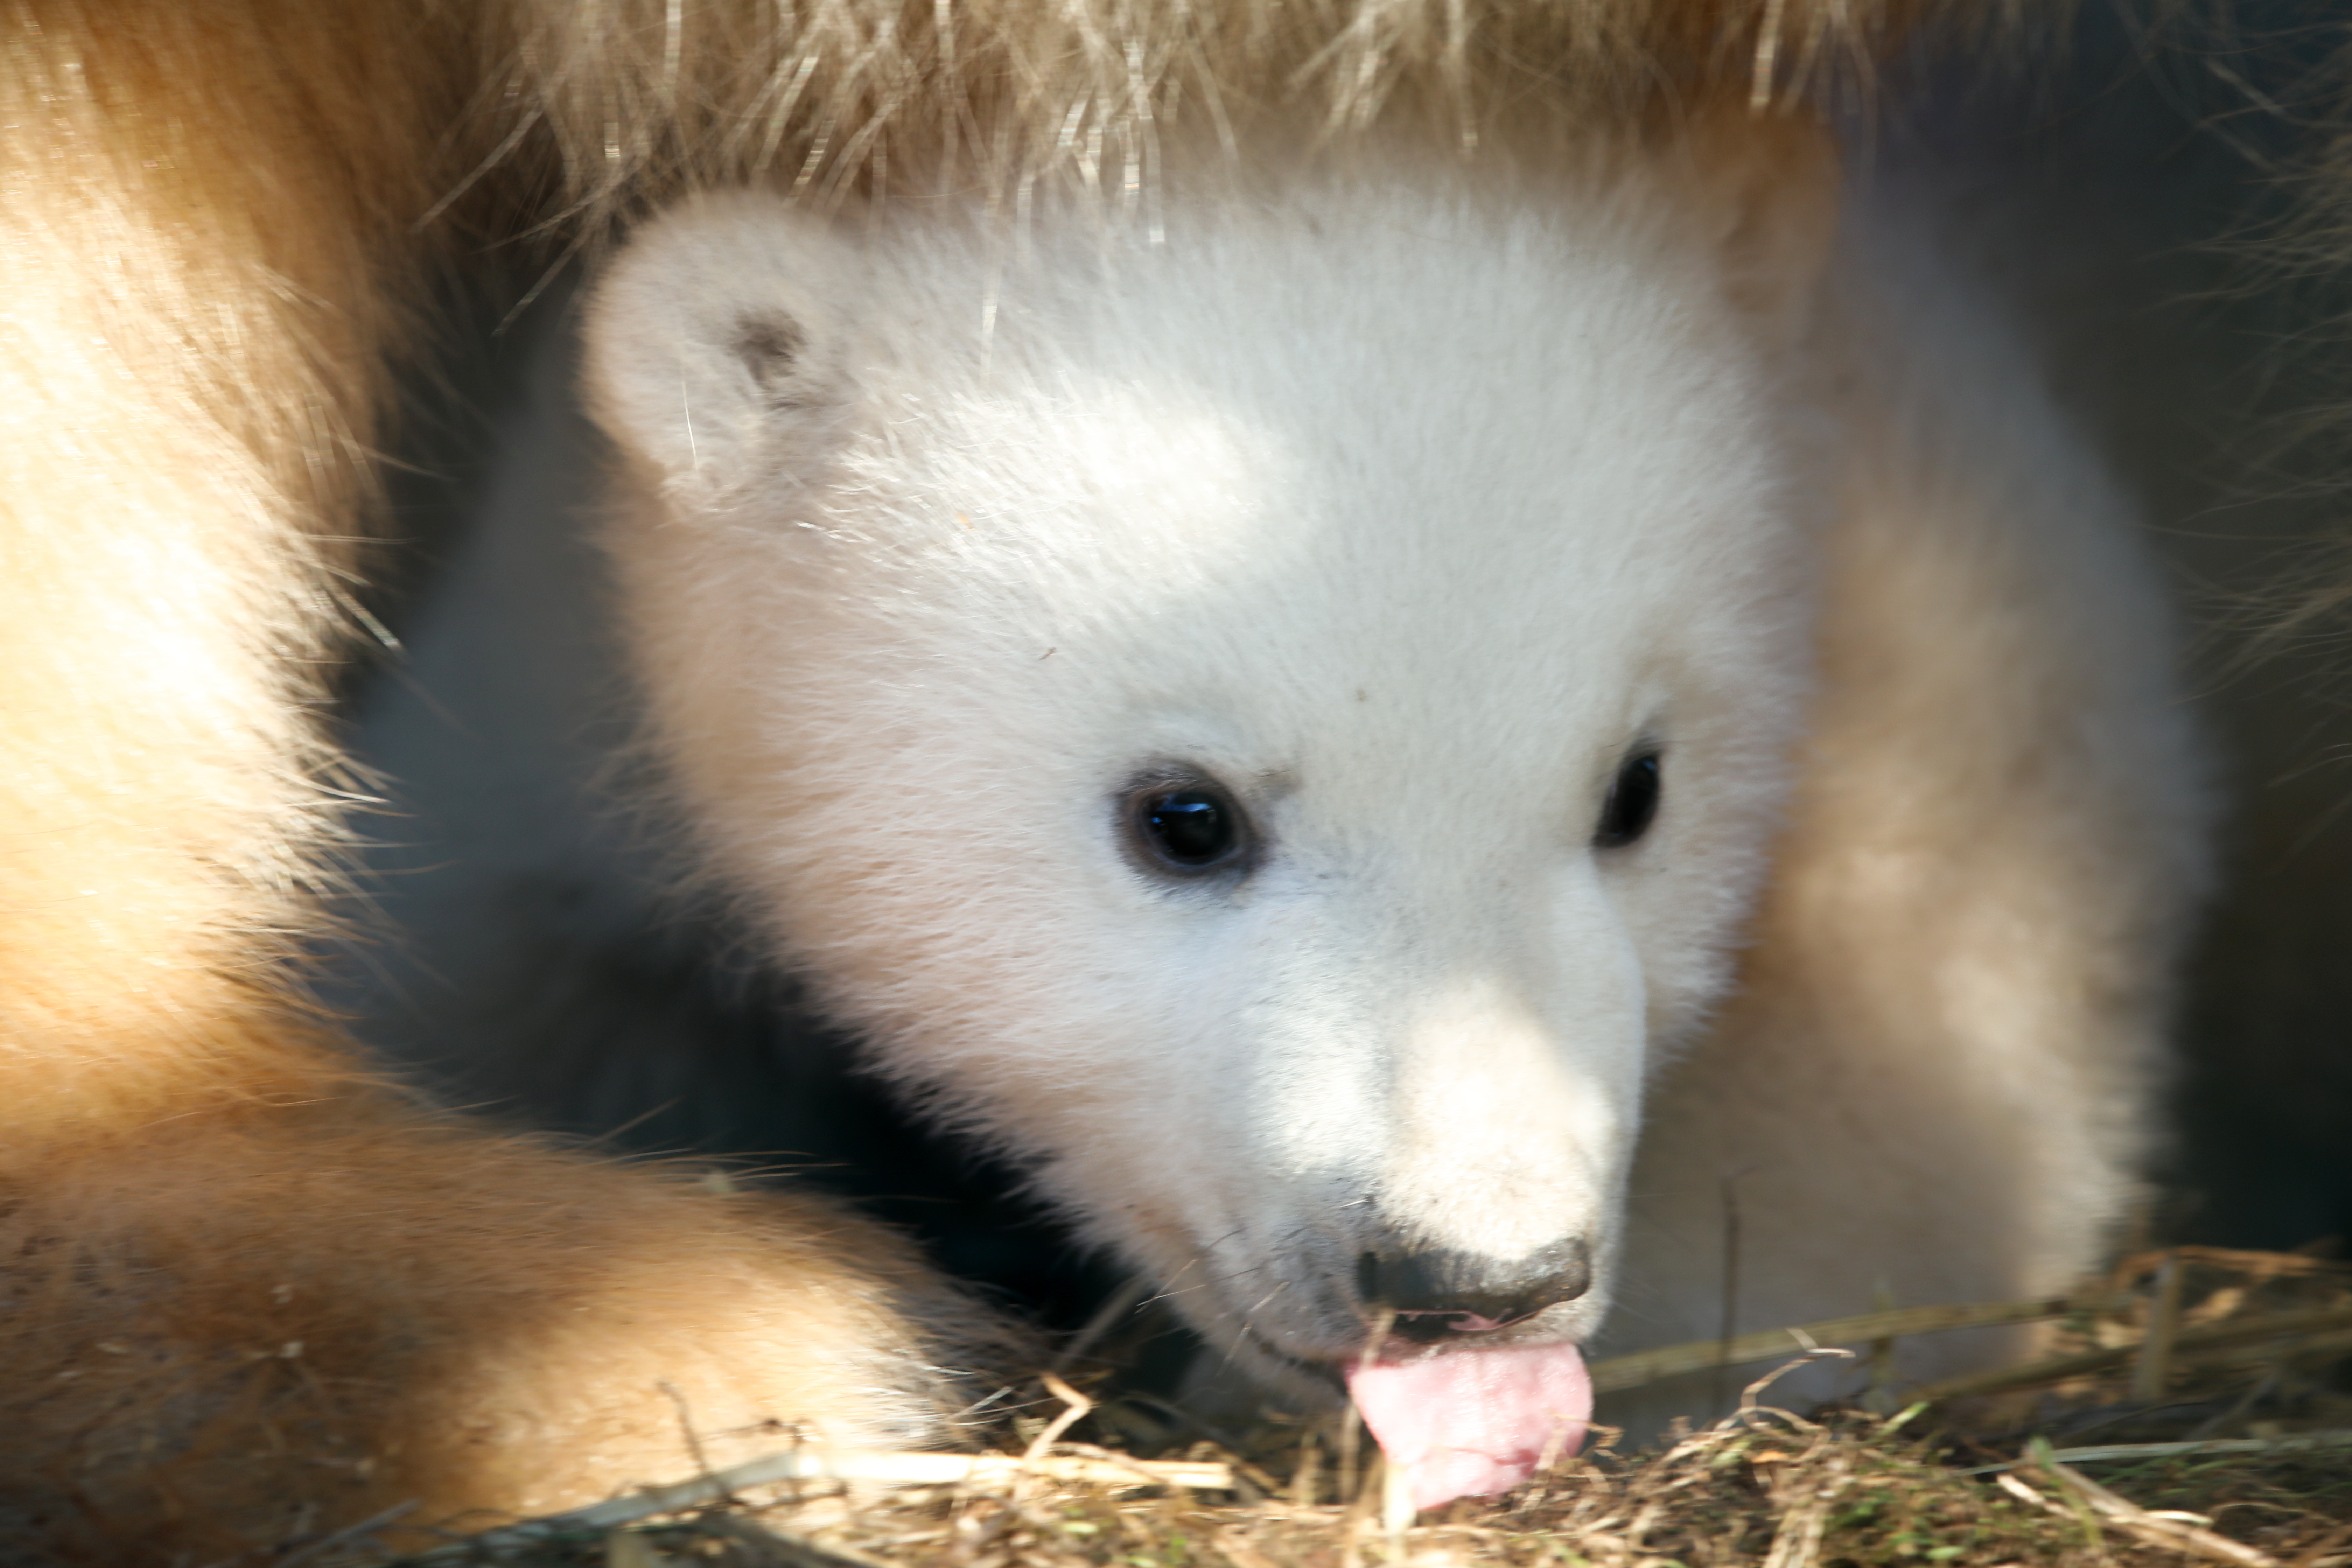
[[251, 1293]]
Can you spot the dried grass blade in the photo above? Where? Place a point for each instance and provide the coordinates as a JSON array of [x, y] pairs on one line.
[[2311, 1326], [1700, 1355], [2127, 1518], [849, 1465], [2288, 1445], [1796, 1543]]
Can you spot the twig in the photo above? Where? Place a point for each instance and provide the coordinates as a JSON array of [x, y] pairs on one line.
[[1880, 1397], [346, 1535], [1351, 1420], [2127, 1518], [1350, 1439], [810, 1465], [1730, 1317], [1700, 1355], [686, 1425], [1075, 1407], [2155, 1364], [1752, 1398], [2216, 1336], [1796, 1539], [2262, 1266], [1302, 1478], [1396, 1507], [2271, 1352], [2112, 1453], [2032, 1499], [793, 1551]]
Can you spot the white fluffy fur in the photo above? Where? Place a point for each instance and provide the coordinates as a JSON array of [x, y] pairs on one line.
[[222, 222], [1405, 507]]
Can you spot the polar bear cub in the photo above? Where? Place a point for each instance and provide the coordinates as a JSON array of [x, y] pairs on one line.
[[1309, 719]]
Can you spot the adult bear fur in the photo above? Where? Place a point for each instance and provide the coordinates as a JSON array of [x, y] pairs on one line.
[[254, 1292]]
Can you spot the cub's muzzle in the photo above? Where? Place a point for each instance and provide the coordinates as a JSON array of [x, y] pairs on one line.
[[1435, 1293]]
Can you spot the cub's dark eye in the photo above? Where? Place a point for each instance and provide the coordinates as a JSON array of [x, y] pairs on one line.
[[1632, 802], [1187, 827]]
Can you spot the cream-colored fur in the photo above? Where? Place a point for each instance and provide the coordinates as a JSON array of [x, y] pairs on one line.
[[1404, 514], [1405, 504], [250, 1292], [1938, 1074]]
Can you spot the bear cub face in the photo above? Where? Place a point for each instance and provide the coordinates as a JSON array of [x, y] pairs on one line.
[[1276, 723]]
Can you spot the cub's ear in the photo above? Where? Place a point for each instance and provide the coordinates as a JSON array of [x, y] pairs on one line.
[[1767, 182], [715, 348]]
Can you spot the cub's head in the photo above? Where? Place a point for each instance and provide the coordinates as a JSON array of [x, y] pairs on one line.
[[1277, 724]]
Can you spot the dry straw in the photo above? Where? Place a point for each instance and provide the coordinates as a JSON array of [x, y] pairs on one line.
[[2232, 1344]]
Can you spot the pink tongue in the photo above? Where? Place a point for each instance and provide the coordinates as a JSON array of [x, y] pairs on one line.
[[1474, 1422]]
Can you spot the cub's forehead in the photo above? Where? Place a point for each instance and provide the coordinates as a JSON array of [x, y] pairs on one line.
[[1307, 486], [1370, 428], [1354, 407]]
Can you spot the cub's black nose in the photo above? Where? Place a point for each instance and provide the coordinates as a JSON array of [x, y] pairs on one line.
[[1435, 1292]]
